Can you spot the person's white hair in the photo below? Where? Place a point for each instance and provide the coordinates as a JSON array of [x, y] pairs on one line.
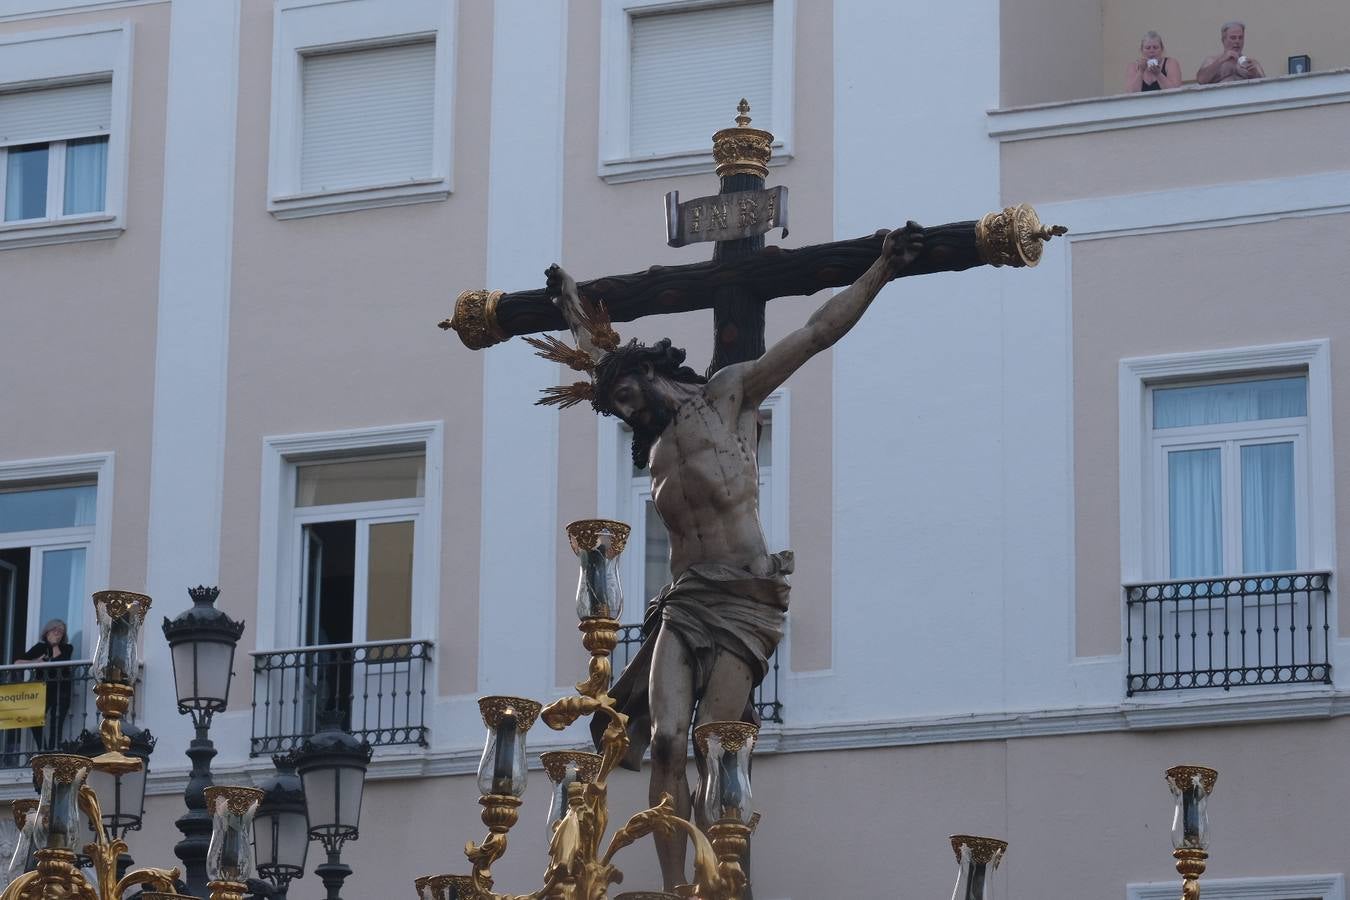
[[1151, 36], [1223, 29]]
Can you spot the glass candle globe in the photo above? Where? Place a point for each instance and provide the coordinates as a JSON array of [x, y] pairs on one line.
[[230, 854], [120, 615], [597, 544], [725, 792], [1191, 787], [565, 768], [58, 812], [502, 768], [978, 858]]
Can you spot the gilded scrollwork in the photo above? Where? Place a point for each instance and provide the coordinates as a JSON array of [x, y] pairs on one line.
[[1014, 236], [238, 800], [585, 534], [1182, 777], [732, 735], [119, 603], [475, 319], [983, 850], [493, 708], [742, 150]]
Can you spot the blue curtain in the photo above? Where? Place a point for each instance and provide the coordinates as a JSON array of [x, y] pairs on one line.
[[1195, 511], [1268, 532], [26, 183], [1239, 401], [86, 175]]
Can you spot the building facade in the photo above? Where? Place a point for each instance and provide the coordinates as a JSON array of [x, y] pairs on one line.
[[1056, 529]]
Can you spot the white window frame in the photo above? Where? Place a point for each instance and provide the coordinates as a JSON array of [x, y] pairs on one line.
[[617, 164], [303, 27], [1139, 549], [1285, 887], [621, 497], [279, 618], [1228, 438], [36, 60], [94, 538]]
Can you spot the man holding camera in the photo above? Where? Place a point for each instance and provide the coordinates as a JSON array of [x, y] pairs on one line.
[[1231, 64]]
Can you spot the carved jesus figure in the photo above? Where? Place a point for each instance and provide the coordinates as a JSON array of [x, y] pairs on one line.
[[709, 634]]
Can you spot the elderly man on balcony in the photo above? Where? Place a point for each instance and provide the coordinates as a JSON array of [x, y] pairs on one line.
[[1231, 64]]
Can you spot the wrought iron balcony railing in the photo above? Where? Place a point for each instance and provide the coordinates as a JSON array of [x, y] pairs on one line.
[[1247, 630], [378, 689], [68, 702], [767, 704]]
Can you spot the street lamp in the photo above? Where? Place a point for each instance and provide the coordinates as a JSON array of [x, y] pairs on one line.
[[332, 765], [125, 791], [201, 641], [281, 829]]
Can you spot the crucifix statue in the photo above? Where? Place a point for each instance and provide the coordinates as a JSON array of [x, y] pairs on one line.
[[709, 634]]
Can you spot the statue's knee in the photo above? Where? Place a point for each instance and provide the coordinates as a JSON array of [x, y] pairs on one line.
[[668, 749]]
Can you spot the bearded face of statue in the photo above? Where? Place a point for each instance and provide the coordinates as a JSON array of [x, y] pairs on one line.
[[643, 407]]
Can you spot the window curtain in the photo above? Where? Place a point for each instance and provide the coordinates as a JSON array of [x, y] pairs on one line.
[[1241, 401], [1268, 531], [86, 176], [1195, 510], [26, 183]]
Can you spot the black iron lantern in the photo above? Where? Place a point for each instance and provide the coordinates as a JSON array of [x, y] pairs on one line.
[[202, 641], [281, 827], [332, 766], [122, 797]]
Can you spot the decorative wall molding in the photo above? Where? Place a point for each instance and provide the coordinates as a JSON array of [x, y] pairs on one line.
[[1287, 887], [1186, 104]]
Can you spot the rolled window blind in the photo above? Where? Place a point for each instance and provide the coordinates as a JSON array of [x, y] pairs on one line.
[[691, 68], [367, 116], [55, 114]]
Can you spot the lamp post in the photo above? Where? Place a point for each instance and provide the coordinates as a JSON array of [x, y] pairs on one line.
[[332, 766], [124, 791], [201, 641], [281, 829]]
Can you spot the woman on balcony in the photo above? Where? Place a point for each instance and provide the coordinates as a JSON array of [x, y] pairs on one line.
[[52, 648], [1152, 71]]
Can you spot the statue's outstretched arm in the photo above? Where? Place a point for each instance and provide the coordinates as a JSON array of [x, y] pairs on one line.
[[832, 320]]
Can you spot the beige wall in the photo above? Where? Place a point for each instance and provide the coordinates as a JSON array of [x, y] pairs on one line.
[[1190, 31], [1261, 283], [1084, 816], [80, 317], [611, 229], [1182, 154], [333, 326], [1050, 50]]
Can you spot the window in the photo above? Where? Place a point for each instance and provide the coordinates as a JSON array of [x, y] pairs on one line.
[[45, 178], [1230, 482], [361, 105], [45, 537], [674, 72], [1284, 887], [63, 115], [1226, 462]]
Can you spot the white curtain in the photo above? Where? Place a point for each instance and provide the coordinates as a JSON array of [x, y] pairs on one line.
[[26, 183], [1241, 401], [1195, 510], [1268, 532], [86, 175]]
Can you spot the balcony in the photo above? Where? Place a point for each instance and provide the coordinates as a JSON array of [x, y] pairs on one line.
[[767, 704], [70, 709], [379, 689], [1245, 631]]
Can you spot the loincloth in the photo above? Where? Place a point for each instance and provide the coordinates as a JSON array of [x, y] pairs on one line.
[[712, 608]]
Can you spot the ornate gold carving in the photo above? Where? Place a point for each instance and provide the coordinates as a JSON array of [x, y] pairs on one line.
[[1181, 777], [1190, 866], [584, 534], [983, 850], [228, 890], [732, 735], [475, 319], [742, 150], [1013, 237], [445, 886], [66, 767], [21, 808], [556, 763], [599, 636], [237, 799], [119, 603], [113, 702], [493, 708]]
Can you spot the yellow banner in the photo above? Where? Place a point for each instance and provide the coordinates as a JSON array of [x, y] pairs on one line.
[[23, 705]]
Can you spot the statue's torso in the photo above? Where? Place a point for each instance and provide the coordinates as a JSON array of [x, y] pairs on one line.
[[705, 484]]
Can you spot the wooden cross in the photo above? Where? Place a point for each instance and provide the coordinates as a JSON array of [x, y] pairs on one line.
[[744, 274]]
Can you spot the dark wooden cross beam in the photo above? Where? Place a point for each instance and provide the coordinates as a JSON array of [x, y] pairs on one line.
[[744, 274]]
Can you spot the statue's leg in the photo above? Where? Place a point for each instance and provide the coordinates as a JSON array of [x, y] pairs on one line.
[[729, 690], [671, 696]]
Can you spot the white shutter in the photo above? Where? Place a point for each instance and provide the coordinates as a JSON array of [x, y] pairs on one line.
[[367, 116], [691, 68], [54, 114]]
